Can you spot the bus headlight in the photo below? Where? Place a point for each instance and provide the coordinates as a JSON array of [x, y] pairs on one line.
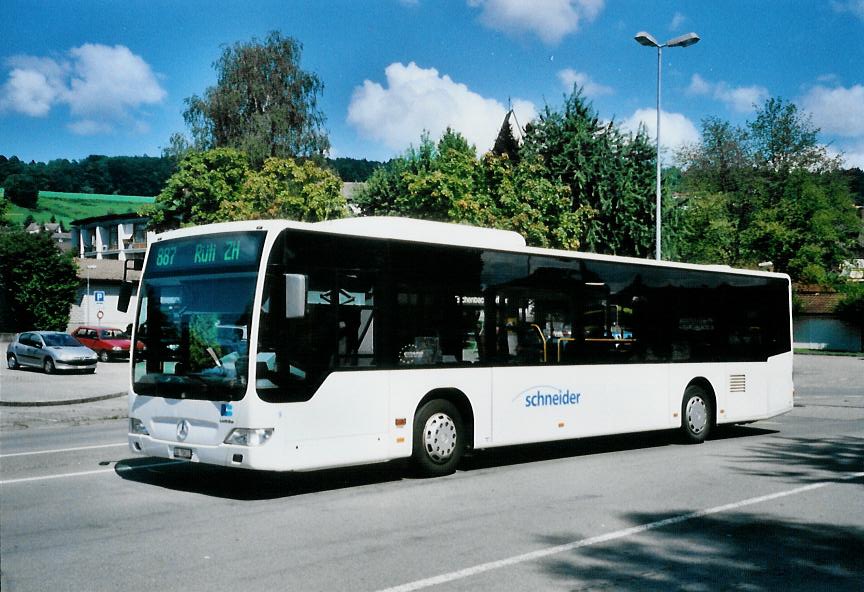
[[249, 436], [136, 426]]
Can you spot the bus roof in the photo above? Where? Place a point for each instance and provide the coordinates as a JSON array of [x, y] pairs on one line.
[[441, 233]]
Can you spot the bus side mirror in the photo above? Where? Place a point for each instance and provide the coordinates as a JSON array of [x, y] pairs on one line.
[[295, 296], [126, 286], [124, 297]]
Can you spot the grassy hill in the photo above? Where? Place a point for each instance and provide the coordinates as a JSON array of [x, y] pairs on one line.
[[66, 207]]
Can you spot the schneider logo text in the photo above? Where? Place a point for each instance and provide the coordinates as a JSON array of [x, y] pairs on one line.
[[538, 398]]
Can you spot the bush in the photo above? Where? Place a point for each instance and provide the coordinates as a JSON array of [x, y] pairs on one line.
[[37, 282], [21, 190], [851, 306]]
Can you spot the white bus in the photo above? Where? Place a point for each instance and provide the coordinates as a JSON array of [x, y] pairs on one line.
[[383, 338]]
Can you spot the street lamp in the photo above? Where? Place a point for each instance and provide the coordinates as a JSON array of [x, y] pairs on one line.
[[89, 267], [648, 40]]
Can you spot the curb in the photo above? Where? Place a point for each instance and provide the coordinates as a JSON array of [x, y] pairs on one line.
[[57, 403]]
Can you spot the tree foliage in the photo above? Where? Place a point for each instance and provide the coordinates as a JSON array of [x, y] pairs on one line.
[[263, 103], [120, 175], [766, 192], [447, 182], [851, 305], [38, 282], [575, 183], [21, 190], [607, 171], [219, 186]]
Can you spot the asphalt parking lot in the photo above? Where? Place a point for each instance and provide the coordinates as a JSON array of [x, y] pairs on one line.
[[31, 398]]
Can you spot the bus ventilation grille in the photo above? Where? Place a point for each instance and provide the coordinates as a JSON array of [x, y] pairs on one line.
[[737, 383]]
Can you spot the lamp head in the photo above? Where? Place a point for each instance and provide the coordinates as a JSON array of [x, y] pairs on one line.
[[683, 40], [644, 38]]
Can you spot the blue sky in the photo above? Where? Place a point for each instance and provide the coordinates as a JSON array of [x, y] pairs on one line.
[[110, 77]]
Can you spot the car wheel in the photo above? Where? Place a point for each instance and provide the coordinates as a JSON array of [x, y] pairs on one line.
[[12, 362], [103, 356], [439, 438], [48, 366], [696, 414]]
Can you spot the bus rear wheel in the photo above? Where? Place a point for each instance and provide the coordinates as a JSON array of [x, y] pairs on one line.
[[696, 414], [439, 438]]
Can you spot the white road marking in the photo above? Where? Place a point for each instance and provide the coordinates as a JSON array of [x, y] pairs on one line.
[[95, 472], [56, 450], [603, 538]]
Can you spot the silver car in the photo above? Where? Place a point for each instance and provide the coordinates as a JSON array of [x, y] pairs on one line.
[[51, 351]]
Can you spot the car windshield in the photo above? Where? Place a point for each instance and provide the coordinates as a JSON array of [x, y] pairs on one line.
[[60, 340]]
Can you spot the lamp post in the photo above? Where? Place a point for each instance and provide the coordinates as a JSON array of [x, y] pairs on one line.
[[648, 40], [89, 267]]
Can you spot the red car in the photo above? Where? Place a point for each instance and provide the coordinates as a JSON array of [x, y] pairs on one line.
[[108, 342]]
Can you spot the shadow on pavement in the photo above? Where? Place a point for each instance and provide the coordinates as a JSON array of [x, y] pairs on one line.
[[718, 552], [528, 453], [804, 460], [243, 484]]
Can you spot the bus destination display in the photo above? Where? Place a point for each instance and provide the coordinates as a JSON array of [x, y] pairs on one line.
[[205, 252]]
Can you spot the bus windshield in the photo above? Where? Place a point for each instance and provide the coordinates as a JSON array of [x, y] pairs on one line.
[[194, 317]]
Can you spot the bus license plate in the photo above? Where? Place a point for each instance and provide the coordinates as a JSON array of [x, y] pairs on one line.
[[184, 453]]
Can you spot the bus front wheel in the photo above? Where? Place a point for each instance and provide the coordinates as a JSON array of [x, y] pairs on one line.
[[696, 414], [439, 438]]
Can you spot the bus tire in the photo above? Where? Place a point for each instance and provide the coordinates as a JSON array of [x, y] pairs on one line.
[[439, 438], [697, 414]]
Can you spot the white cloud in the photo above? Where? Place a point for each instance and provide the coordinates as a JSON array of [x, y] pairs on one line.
[[837, 110], [854, 157], [102, 86], [89, 127], [677, 20], [569, 77], [110, 79], [742, 99], [856, 7], [28, 92], [417, 99], [550, 20], [675, 129]]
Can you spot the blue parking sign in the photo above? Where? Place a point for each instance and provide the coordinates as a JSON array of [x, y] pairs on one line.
[[99, 296]]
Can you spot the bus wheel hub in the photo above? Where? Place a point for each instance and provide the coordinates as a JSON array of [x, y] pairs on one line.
[[439, 436]]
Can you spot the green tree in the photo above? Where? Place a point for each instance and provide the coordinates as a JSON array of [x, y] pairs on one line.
[[447, 182], [204, 190], [4, 208], [37, 282], [296, 191], [851, 305], [784, 140], [767, 191], [219, 186], [608, 172], [263, 103], [21, 190]]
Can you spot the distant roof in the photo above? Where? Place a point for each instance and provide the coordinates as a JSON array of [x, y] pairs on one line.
[[817, 300], [104, 269]]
